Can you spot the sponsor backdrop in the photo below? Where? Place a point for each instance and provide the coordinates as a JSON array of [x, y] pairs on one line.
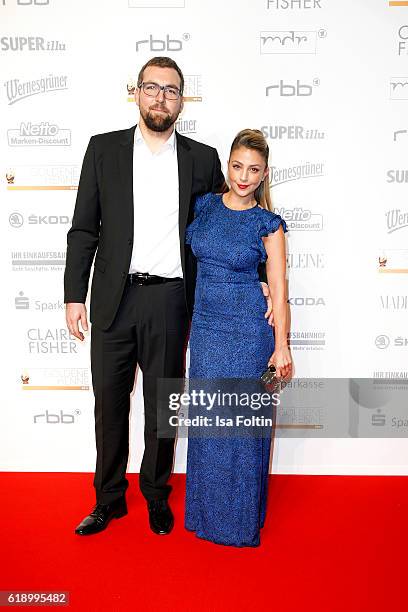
[[327, 83]]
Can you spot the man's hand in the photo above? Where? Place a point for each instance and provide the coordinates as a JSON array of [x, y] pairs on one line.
[[75, 312], [269, 312]]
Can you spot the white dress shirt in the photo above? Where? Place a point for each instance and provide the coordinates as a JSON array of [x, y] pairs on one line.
[[156, 244]]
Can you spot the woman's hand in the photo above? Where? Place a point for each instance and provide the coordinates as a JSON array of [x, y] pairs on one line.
[[282, 361]]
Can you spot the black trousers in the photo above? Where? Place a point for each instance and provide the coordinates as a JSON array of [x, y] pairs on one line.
[[150, 329]]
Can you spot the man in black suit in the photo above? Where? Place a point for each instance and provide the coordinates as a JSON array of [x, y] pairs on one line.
[[135, 199]]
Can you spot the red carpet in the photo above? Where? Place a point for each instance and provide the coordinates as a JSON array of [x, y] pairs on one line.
[[330, 543]]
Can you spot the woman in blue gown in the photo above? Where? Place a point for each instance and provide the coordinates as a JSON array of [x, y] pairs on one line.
[[230, 338]]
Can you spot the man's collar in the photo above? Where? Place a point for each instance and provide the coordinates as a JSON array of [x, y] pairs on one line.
[[170, 142]]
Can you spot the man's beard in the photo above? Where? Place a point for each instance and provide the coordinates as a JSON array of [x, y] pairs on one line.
[[158, 122]]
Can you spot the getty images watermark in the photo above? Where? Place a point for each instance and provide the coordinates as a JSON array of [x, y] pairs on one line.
[[216, 407], [221, 403], [298, 408]]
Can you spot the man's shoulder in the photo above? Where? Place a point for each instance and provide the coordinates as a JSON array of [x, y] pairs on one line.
[[111, 138], [196, 146], [107, 139]]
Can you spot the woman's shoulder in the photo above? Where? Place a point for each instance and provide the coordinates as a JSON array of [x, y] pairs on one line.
[[270, 221], [266, 213], [202, 201]]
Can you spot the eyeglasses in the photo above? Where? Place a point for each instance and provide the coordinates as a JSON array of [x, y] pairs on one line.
[[152, 89]]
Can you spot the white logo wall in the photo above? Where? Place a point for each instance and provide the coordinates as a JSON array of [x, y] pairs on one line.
[[326, 82]]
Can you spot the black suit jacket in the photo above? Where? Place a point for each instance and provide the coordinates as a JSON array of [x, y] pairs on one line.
[[103, 218]]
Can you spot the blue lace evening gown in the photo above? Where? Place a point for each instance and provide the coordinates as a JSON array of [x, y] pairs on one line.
[[230, 338]]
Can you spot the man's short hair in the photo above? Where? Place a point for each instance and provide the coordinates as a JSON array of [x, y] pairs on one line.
[[161, 62]]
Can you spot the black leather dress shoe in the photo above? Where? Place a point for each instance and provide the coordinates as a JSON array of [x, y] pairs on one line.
[[100, 517], [161, 518]]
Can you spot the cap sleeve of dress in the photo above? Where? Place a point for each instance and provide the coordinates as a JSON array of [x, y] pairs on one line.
[[200, 204], [270, 223]]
